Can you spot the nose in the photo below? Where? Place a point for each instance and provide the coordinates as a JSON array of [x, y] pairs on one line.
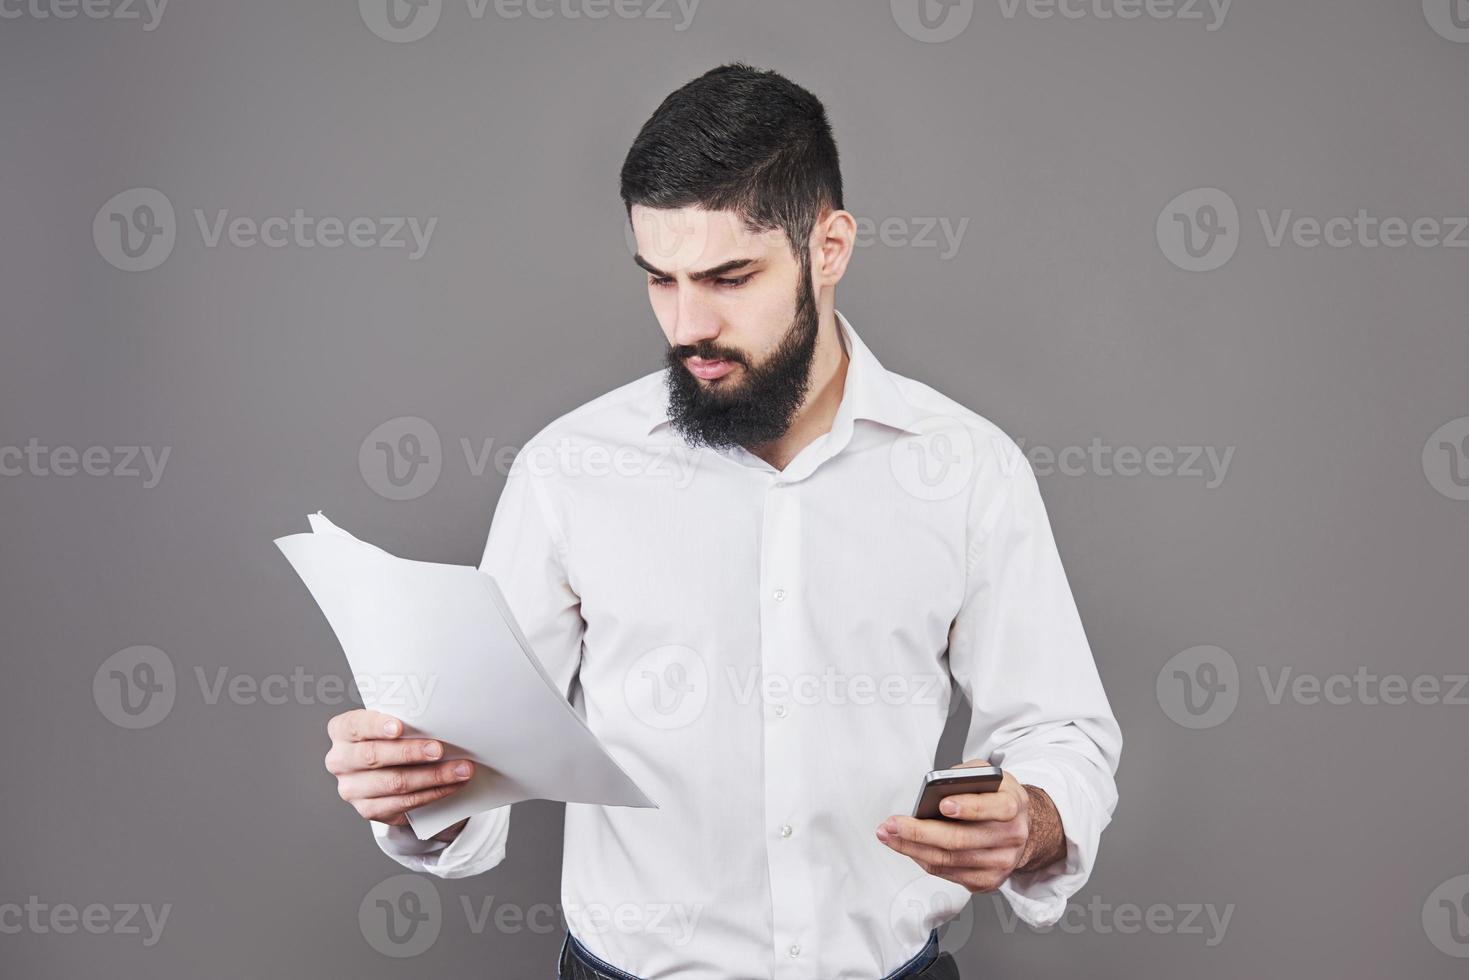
[[694, 320]]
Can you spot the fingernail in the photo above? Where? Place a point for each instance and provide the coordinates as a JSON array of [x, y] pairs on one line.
[[390, 728], [949, 807], [891, 827], [462, 770], [883, 835], [433, 750]]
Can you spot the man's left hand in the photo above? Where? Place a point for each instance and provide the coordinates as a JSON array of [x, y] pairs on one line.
[[987, 838]]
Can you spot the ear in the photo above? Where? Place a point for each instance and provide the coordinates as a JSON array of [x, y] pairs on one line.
[[832, 241]]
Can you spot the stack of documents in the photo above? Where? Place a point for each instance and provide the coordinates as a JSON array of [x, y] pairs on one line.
[[437, 647]]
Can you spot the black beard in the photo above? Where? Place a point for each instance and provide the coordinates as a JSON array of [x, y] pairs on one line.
[[762, 407]]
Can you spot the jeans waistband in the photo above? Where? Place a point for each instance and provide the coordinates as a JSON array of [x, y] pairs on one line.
[[579, 963]]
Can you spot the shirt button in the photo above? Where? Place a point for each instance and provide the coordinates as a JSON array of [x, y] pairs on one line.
[[795, 950], [779, 595], [785, 830], [781, 711]]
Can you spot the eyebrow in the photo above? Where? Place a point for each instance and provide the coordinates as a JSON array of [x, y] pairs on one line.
[[700, 276]]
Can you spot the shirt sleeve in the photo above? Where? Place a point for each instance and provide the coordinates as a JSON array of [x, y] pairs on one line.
[[1018, 651], [526, 555]]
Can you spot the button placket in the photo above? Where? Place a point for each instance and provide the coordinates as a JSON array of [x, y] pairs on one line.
[[780, 653]]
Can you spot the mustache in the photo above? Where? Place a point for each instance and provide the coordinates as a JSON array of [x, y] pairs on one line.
[[707, 350]]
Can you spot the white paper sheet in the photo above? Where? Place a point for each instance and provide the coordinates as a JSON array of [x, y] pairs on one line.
[[437, 647]]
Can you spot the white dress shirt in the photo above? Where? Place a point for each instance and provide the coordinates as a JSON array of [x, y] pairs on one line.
[[768, 654]]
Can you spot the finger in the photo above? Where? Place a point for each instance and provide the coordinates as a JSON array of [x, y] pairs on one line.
[[936, 860], [346, 757], [402, 780], [981, 806], [362, 724], [984, 833], [387, 808], [952, 835]]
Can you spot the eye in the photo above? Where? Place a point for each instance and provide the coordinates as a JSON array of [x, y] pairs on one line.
[[660, 280], [735, 283]]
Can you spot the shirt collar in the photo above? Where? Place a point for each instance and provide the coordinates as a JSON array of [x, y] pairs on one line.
[[869, 391]]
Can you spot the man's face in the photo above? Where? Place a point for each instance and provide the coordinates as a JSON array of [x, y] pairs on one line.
[[740, 316]]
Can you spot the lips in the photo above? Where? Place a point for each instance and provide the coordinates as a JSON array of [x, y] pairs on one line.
[[708, 370]]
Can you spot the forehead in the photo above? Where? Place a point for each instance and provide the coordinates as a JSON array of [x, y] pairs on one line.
[[678, 239]]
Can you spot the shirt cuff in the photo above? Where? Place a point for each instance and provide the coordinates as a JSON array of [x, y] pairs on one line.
[[478, 848], [1039, 897]]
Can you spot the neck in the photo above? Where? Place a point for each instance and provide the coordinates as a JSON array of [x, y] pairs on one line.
[[823, 396]]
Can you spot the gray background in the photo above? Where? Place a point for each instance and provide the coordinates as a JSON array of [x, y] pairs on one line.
[[1325, 549]]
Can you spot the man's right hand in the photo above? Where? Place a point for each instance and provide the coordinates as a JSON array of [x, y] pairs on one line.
[[384, 775]]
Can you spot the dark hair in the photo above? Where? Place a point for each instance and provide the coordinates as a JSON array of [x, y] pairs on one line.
[[739, 139]]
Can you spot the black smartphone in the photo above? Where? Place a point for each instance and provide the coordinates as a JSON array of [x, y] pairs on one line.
[[953, 782]]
